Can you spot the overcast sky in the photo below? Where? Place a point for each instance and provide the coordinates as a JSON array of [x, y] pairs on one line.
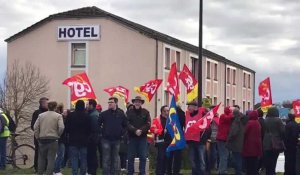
[[261, 35]]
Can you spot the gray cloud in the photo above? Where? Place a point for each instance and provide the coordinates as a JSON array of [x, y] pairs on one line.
[[262, 35]]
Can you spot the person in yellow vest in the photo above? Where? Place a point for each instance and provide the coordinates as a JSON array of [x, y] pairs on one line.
[[3, 139]]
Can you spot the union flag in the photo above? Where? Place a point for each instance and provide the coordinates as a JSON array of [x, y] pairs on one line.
[[149, 89], [81, 88]]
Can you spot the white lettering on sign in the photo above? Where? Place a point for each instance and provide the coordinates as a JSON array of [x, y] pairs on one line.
[[80, 89], [78, 32]]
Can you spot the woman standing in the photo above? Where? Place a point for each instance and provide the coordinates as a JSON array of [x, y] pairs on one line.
[[252, 148]]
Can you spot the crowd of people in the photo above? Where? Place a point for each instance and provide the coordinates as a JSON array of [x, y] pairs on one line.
[[88, 138]]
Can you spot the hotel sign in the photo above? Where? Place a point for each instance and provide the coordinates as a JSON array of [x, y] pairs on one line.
[[91, 32]]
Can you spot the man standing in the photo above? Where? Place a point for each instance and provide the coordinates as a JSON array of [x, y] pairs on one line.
[[196, 148], [78, 127], [47, 130], [42, 108], [92, 161], [138, 125], [161, 139], [114, 123], [4, 134]]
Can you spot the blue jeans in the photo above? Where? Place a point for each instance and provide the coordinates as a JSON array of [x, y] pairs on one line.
[[223, 155], [77, 153], [212, 156], [60, 157], [3, 141], [238, 162], [137, 147], [197, 158], [110, 153]]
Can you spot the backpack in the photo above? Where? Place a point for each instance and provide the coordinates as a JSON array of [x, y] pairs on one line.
[[3, 123]]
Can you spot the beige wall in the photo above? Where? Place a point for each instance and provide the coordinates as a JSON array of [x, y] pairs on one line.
[[122, 56]]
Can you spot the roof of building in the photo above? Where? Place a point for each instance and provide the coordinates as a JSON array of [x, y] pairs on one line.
[[95, 12]]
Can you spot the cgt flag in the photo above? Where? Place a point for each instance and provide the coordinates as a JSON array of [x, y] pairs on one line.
[[296, 108], [172, 85], [174, 129], [149, 89], [264, 91], [204, 123], [118, 91], [190, 83], [81, 88]]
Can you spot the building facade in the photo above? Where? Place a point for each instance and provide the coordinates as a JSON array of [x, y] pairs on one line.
[[114, 51]]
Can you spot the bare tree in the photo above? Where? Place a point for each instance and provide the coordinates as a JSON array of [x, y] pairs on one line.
[[20, 91]]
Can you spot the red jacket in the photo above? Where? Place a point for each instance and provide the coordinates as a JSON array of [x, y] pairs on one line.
[[252, 140], [224, 124]]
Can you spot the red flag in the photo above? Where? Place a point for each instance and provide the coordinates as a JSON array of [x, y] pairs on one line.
[[81, 88], [264, 91], [204, 123], [173, 86], [119, 91], [296, 108], [190, 83], [149, 89]]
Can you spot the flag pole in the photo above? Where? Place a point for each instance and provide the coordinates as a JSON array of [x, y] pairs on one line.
[[200, 54]]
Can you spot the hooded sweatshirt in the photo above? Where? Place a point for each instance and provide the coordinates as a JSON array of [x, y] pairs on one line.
[[224, 124]]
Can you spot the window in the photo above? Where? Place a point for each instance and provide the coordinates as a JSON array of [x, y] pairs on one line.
[[195, 67], [208, 70], [244, 80], [249, 80], [228, 75], [78, 54], [215, 101], [166, 98], [234, 77], [227, 102], [249, 107], [244, 106], [167, 58], [233, 102], [216, 72], [178, 61]]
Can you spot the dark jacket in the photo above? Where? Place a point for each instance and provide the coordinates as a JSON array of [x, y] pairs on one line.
[[291, 136], [63, 137], [205, 136], [252, 140], [78, 128], [181, 116], [138, 119], [95, 128], [235, 137], [224, 124], [36, 114], [274, 127], [113, 124]]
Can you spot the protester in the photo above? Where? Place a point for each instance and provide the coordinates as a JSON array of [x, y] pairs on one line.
[[212, 152], [174, 158], [196, 150], [61, 143], [261, 121], [274, 135], [5, 122], [223, 131], [42, 108], [291, 139], [47, 130], [298, 153], [161, 139], [92, 160], [252, 148], [78, 127], [236, 138], [138, 125], [114, 124]]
